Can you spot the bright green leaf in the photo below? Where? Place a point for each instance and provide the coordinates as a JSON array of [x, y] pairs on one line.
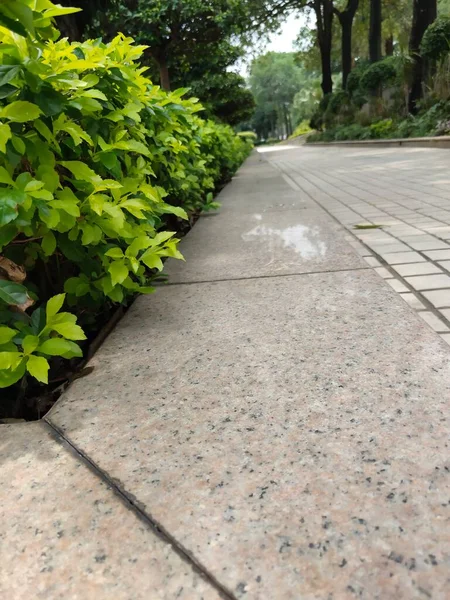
[[54, 305], [152, 260], [71, 331], [10, 360], [20, 111], [55, 347], [38, 367], [30, 343], [81, 171], [49, 243], [114, 253], [118, 271], [6, 334], [5, 135]]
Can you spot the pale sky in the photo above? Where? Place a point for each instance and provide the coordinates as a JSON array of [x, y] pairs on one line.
[[283, 42], [280, 42]]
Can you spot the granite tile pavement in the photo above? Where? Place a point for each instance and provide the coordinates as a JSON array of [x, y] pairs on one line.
[[273, 423]]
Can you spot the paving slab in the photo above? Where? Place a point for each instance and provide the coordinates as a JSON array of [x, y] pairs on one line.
[[438, 298], [413, 301], [291, 434], [425, 268], [64, 535], [429, 282], [433, 321], [397, 285], [399, 258], [263, 244]]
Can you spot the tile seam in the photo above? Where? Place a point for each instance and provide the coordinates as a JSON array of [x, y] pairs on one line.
[[132, 503]]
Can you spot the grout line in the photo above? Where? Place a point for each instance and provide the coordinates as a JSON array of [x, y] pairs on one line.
[[256, 277], [139, 510]]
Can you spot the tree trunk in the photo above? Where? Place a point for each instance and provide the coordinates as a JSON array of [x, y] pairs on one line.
[[346, 20], [164, 73], [291, 129], [389, 46], [375, 31], [424, 13], [346, 43], [69, 27], [286, 120], [324, 16]]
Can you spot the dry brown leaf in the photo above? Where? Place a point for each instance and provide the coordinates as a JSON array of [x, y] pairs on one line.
[[13, 271]]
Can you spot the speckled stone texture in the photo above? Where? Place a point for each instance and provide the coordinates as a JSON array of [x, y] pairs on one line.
[[64, 535], [292, 434]]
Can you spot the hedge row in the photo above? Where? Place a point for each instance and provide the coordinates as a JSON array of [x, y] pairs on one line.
[[93, 159]]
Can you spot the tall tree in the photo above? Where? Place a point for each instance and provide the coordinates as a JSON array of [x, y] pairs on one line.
[[424, 13], [274, 81], [324, 11], [375, 30], [346, 18]]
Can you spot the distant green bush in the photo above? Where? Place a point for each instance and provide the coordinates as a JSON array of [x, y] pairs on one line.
[[248, 136], [436, 40], [354, 78], [302, 129], [430, 121], [379, 75], [382, 129]]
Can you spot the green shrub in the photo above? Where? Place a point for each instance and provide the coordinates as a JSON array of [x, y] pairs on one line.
[[379, 75], [317, 120], [354, 78], [340, 110], [351, 132], [26, 343], [248, 136], [436, 39], [302, 129], [382, 129], [93, 161]]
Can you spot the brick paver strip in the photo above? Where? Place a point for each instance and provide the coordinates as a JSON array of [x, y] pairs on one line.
[[281, 412], [429, 282], [424, 268], [433, 321]]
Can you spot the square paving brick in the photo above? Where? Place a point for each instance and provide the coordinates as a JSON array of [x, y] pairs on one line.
[[413, 301], [372, 262], [445, 264], [399, 258], [446, 313], [429, 282], [438, 254], [397, 285], [436, 245], [433, 321], [424, 268], [387, 248], [438, 298], [446, 338], [384, 273]]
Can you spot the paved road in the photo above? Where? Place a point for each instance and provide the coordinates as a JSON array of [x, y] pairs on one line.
[[406, 192], [273, 424]]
